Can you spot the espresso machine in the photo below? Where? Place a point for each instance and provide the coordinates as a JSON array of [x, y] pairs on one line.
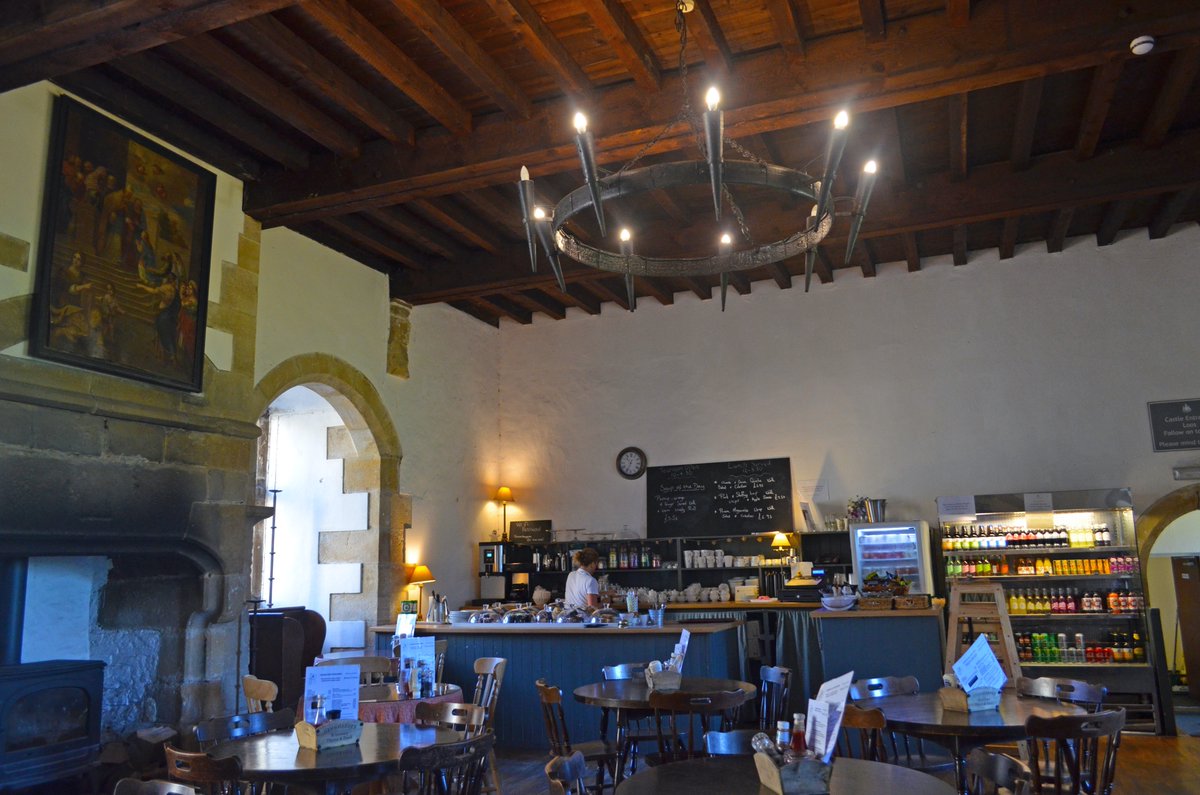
[[504, 572]]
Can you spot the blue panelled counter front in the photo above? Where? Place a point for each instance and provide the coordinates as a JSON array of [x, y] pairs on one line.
[[570, 655]]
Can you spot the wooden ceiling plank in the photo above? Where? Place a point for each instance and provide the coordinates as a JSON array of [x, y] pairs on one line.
[[477, 312], [787, 29], [490, 157], [605, 293], [958, 13], [874, 19], [372, 238], [59, 24], [656, 290], [381, 54], [504, 308], [1100, 97], [165, 80], [781, 275], [440, 27], [284, 46], [912, 252], [224, 65], [338, 242], [738, 281], [711, 38], [581, 298], [823, 266], [521, 17], [1174, 92], [958, 135], [1114, 218], [137, 109], [699, 288], [100, 48], [538, 301], [503, 211], [409, 227], [439, 211], [1169, 212], [1057, 237], [960, 245], [1026, 122], [864, 258], [892, 161], [627, 42], [665, 200], [1008, 236]]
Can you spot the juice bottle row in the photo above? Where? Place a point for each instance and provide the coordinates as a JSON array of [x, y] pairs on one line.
[[1112, 647], [978, 536], [1001, 566], [1054, 601]]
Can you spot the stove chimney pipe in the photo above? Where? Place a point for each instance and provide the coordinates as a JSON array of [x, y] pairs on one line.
[[13, 575]]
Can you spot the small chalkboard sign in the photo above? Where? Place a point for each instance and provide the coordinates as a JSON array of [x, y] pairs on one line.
[[724, 498], [1175, 424], [534, 531]]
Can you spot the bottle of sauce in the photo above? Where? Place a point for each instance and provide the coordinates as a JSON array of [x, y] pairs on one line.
[[799, 746]]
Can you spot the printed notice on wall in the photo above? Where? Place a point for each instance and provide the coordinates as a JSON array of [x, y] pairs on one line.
[[956, 506], [1175, 425], [1039, 502]]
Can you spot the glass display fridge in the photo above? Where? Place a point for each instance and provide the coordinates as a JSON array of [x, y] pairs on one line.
[[900, 548]]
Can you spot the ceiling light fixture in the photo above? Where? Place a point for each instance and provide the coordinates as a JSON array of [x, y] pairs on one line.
[[1141, 45], [547, 228]]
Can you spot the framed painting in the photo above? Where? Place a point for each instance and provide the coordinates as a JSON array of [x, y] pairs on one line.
[[123, 262]]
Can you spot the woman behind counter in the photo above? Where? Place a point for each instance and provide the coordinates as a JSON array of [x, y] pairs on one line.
[[582, 589]]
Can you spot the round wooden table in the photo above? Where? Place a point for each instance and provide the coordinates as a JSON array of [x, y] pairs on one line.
[[922, 715], [381, 703], [634, 694], [278, 758], [736, 775]]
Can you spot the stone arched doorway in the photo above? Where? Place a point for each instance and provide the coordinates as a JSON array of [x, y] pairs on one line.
[[1166, 509]]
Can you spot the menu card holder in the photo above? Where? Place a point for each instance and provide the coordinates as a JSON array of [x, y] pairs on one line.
[[808, 776], [663, 680], [331, 734], [980, 699]]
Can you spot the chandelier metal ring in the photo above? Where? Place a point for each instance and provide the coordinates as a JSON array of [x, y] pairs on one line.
[[692, 172]]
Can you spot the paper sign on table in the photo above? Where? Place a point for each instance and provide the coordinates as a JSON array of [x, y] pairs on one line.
[[419, 650], [978, 667], [684, 637], [337, 683], [406, 625], [825, 715]]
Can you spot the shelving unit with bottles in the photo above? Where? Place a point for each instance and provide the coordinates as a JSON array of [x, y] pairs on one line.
[[1072, 582]]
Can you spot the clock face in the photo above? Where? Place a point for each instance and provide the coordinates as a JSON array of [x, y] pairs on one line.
[[631, 462]]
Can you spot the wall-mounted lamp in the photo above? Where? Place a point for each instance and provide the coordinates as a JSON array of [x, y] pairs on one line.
[[418, 576], [504, 496]]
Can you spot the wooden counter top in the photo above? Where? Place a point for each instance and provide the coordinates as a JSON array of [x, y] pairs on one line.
[[857, 613], [425, 628], [742, 605]]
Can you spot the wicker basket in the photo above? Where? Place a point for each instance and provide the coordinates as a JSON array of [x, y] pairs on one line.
[[874, 603], [912, 601]]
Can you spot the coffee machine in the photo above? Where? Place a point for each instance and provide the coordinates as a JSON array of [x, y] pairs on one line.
[[504, 571]]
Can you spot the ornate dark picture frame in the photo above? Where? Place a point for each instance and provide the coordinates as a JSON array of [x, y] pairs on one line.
[[123, 260]]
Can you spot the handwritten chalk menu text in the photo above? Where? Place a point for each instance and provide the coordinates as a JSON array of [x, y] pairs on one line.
[[1175, 425], [720, 499]]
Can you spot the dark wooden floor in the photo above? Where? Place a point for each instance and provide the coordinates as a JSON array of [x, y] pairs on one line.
[[1145, 766]]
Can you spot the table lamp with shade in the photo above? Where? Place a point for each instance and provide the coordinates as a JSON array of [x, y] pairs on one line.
[[418, 575], [781, 542], [504, 496]]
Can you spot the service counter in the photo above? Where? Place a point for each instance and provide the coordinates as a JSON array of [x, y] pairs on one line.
[[876, 643]]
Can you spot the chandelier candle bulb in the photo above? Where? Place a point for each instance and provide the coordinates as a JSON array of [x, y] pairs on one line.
[[833, 157], [866, 183], [586, 145], [541, 224], [714, 130], [525, 191]]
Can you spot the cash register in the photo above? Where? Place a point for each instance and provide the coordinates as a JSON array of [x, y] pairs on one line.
[[803, 589]]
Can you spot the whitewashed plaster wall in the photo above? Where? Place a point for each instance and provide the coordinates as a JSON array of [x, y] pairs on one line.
[[1029, 374]]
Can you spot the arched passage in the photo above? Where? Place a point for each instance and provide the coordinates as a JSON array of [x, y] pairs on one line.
[[1166, 509]]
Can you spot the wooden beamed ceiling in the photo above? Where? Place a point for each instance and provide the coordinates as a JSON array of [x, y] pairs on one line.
[[393, 130]]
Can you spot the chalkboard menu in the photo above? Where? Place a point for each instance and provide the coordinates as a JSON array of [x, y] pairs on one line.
[[534, 531], [720, 499]]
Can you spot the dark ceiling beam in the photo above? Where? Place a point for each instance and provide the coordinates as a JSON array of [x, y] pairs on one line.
[[537, 301], [779, 272], [891, 160], [520, 17], [739, 282], [912, 251], [627, 42], [864, 258], [960, 245], [699, 288], [101, 47], [372, 238], [823, 266], [160, 77], [665, 200], [874, 19], [1100, 97], [402, 223], [1057, 237], [656, 290], [1008, 236], [34, 28], [138, 109], [503, 211], [958, 13], [504, 307], [456, 222], [440, 27], [1026, 122], [958, 135], [581, 298], [1114, 218], [222, 64], [339, 242], [606, 293], [939, 64], [491, 317], [276, 40], [707, 28], [381, 54], [1171, 96], [1169, 212], [787, 29]]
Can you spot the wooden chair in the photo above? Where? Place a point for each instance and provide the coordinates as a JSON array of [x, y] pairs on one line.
[[211, 776], [489, 676], [1082, 748], [988, 773], [467, 719], [564, 774], [908, 751], [862, 734], [1072, 691], [774, 684], [371, 670], [449, 768], [682, 718], [636, 722], [133, 786], [260, 694], [731, 743], [602, 752]]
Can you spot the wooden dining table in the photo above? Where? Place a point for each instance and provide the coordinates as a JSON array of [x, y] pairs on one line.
[[736, 775], [634, 694], [922, 715], [277, 757], [383, 704]]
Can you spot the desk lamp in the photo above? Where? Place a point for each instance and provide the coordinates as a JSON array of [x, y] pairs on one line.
[[419, 576], [504, 496]]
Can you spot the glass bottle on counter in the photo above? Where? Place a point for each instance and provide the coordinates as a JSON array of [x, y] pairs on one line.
[[612, 557]]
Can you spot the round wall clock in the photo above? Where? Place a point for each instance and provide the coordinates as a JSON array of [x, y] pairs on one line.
[[631, 463]]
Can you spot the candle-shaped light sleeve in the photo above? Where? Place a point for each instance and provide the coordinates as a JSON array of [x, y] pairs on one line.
[[833, 156], [810, 256], [626, 249], [866, 183], [714, 130], [541, 224], [525, 192], [725, 247], [586, 146]]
